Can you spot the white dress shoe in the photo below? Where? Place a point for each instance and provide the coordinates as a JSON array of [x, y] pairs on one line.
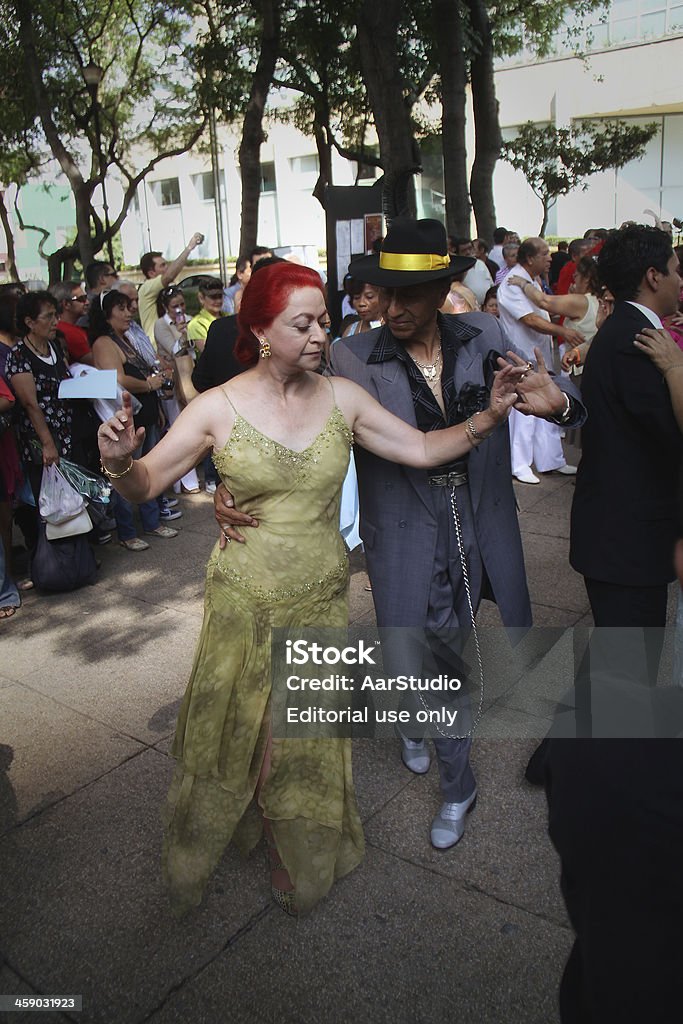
[[567, 470], [448, 826], [525, 476], [415, 755]]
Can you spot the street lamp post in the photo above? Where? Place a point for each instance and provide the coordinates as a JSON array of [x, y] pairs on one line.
[[93, 74]]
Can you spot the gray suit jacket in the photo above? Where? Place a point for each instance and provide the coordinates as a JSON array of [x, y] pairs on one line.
[[397, 517]]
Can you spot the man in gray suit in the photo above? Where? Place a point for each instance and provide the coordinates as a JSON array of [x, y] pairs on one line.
[[436, 542]]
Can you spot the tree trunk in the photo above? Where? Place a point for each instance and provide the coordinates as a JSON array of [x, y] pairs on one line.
[[488, 138], [252, 128], [324, 148], [546, 211], [450, 44], [377, 26], [11, 263]]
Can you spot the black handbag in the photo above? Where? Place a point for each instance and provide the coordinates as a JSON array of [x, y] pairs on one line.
[[61, 565]]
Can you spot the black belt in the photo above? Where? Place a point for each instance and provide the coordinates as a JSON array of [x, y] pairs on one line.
[[448, 480]]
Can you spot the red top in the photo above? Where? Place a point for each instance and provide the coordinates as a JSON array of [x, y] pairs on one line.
[[76, 339], [565, 279]]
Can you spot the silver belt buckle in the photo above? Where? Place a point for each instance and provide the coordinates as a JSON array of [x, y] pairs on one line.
[[448, 480]]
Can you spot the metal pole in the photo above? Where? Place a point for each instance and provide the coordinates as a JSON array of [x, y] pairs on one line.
[[217, 196]]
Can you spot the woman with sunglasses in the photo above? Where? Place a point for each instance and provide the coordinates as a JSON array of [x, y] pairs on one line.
[[110, 317]]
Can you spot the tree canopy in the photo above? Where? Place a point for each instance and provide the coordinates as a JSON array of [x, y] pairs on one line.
[[556, 161]]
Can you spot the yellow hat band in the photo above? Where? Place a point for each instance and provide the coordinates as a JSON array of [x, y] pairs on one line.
[[413, 261]]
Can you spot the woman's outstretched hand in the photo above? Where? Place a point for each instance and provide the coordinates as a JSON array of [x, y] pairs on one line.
[[504, 390], [117, 438]]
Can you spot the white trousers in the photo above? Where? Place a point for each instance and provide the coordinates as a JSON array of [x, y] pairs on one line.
[[534, 440]]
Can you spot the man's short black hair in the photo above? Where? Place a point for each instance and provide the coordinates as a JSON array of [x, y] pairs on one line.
[[94, 272], [499, 235], [628, 254], [259, 250], [577, 247]]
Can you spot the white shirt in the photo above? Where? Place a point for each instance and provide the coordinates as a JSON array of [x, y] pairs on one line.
[[496, 255], [513, 305], [479, 280], [649, 313]]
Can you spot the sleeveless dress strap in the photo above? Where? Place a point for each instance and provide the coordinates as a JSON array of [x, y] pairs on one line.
[[225, 395]]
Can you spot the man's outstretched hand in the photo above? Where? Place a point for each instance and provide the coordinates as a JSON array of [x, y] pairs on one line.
[[538, 393]]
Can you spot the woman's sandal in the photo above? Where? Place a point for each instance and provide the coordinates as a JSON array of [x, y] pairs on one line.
[[285, 898], [7, 611]]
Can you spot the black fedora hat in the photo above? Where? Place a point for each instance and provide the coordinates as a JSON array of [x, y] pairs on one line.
[[413, 252]]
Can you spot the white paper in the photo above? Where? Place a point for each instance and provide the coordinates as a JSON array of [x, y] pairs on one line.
[[343, 250], [92, 384], [357, 237]]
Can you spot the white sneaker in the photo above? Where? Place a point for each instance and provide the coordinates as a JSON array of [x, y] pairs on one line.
[[567, 470], [525, 476], [448, 826], [210, 486]]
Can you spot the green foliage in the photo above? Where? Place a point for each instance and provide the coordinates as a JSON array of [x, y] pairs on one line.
[[556, 161], [146, 92]]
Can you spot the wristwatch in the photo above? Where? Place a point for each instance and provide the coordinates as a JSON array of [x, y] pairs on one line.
[[563, 417]]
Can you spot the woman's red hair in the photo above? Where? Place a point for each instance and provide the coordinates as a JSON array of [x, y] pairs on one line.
[[264, 298]]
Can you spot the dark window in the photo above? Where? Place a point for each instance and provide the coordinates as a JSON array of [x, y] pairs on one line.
[[268, 182], [169, 191]]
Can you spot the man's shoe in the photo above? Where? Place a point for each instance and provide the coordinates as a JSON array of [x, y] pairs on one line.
[[167, 514], [163, 531], [525, 476], [169, 502], [415, 755], [448, 826], [567, 470], [210, 486]]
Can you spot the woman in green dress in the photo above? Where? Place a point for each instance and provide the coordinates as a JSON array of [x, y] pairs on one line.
[[281, 437]]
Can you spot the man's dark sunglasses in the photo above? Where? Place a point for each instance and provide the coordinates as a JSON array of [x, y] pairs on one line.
[[78, 298], [212, 295]]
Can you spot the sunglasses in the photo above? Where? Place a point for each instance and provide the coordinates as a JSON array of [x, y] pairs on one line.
[[78, 298], [212, 295]]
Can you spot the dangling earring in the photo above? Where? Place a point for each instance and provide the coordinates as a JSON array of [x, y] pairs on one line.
[[264, 349]]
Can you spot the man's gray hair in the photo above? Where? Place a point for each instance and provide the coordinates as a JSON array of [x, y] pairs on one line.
[[63, 290]]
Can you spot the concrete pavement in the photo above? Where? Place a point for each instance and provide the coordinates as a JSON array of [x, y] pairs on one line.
[[90, 684]]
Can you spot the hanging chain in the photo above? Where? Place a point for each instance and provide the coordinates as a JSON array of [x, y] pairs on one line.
[[468, 592]]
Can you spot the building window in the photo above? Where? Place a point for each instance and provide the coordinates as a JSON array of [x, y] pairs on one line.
[[205, 186], [268, 182], [304, 164], [166, 192]]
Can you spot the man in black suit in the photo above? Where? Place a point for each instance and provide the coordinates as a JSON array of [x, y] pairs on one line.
[[616, 805]]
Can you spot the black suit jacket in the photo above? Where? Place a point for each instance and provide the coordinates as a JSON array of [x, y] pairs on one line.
[[624, 521], [217, 362]]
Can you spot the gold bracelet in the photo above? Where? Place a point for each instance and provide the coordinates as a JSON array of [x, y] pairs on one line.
[[116, 476]]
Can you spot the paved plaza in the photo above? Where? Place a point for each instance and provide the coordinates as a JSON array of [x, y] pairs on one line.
[[90, 684]]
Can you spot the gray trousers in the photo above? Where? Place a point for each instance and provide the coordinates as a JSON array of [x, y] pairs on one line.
[[437, 646]]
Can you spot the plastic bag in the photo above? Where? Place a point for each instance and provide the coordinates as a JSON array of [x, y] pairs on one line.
[[58, 501], [61, 565], [91, 485]]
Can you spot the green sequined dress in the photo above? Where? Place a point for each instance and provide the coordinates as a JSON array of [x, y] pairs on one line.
[[292, 572]]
